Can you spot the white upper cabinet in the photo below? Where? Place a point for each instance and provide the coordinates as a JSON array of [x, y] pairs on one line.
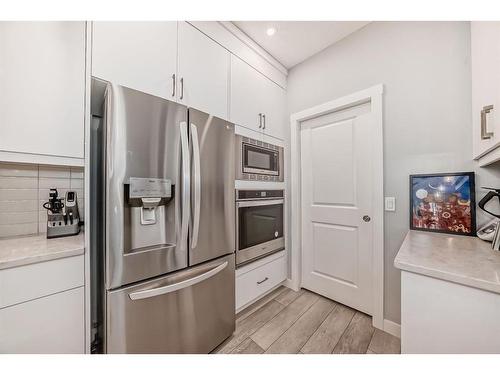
[[246, 104], [203, 72], [485, 61], [274, 109], [42, 88], [139, 55], [256, 102]]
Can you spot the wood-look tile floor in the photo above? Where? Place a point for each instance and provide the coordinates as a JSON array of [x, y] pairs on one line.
[[286, 321]]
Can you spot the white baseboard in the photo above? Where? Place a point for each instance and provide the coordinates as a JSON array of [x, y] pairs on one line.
[[392, 328]]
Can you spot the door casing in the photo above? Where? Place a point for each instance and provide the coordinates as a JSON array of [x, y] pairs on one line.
[[373, 95]]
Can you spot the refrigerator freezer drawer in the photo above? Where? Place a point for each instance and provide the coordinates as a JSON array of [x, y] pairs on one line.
[[190, 311]]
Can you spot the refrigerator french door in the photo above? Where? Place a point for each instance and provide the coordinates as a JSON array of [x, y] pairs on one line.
[[169, 226]]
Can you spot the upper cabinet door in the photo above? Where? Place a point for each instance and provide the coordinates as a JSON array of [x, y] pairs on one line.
[[257, 102], [139, 55], [42, 88], [485, 61], [203, 72], [247, 95], [274, 110]]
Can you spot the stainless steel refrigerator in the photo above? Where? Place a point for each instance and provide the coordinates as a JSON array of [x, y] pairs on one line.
[[164, 238]]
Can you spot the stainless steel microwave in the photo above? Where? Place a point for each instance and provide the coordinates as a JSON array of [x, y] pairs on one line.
[[257, 160]]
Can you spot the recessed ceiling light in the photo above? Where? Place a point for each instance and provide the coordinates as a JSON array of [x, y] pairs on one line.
[[271, 31]]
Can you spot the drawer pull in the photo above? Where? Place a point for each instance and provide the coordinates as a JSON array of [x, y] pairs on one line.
[[263, 280]]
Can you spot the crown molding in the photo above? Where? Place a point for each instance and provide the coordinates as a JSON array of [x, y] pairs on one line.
[[249, 42]]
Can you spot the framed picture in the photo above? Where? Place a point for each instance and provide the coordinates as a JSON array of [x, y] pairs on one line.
[[443, 202]]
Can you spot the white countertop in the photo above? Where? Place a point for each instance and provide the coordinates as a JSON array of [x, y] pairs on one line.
[[464, 260], [34, 249]]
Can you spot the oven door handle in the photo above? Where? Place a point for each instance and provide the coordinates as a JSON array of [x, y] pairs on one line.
[[177, 286], [253, 203]]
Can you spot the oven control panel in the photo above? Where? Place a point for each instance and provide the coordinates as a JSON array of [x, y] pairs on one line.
[[259, 194]]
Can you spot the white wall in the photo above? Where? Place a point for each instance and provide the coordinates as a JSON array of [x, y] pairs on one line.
[[425, 68]]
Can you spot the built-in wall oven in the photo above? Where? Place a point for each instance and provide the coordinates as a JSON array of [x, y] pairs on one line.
[[257, 160], [259, 224]]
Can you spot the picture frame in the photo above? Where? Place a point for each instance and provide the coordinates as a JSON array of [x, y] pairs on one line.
[[443, 203]]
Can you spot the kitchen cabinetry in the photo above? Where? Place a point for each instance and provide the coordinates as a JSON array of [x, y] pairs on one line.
[[274, 109], [42, 307], [256, 102], [139, 55], [450, 294], [42, 95], [258, 278], [485, 64], [172, 60], [203, 72], [440, 317]]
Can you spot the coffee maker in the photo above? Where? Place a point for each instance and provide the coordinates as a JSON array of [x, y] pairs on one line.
[[63, 219], [489, 231]]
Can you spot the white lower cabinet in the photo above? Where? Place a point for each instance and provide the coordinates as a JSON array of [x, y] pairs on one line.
[[257, 278], [53, 324], [25, 283], [441, 317], [42, 307]]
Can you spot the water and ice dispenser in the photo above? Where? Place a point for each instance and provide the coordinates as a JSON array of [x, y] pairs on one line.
[[147, 199]]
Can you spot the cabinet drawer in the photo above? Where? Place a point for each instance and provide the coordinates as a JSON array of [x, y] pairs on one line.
[[53, 324], [24, 283], [255, 282]]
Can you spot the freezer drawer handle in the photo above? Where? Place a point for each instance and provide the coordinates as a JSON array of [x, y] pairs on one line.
[[180, 285]]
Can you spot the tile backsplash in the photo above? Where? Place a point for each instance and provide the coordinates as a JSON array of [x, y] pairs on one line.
[[23, 190]]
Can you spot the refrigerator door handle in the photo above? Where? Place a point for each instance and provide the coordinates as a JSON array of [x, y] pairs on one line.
[[197, 186], [148, 293], [186, 182]]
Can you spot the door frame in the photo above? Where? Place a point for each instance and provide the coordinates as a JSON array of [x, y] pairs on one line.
[[374, 96]]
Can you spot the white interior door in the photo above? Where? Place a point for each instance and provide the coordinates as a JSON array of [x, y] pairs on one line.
[[337, 246]]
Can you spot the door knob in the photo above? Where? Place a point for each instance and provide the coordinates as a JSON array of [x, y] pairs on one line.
[[367, 218]]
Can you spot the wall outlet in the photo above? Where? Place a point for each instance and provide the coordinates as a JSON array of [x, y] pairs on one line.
[[390, 203]]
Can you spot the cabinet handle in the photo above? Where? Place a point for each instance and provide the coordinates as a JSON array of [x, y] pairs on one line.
[[263, 280], [182, 88], [484, 133], [173, 85], [264, 118], [260, 120]]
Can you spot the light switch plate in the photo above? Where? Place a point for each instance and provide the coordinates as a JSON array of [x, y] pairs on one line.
[[390, 203]]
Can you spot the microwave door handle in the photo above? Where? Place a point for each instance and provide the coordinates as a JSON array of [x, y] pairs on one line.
[[186, 183], [148, 293], [196, 169]]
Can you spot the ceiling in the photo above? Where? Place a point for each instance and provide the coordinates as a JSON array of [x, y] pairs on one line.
[[295, 41]]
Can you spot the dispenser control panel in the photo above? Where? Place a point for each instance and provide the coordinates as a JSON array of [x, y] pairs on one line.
[[150, 188]]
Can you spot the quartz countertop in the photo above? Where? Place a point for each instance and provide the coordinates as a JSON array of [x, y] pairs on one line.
[[20, 251], [460, 259]]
